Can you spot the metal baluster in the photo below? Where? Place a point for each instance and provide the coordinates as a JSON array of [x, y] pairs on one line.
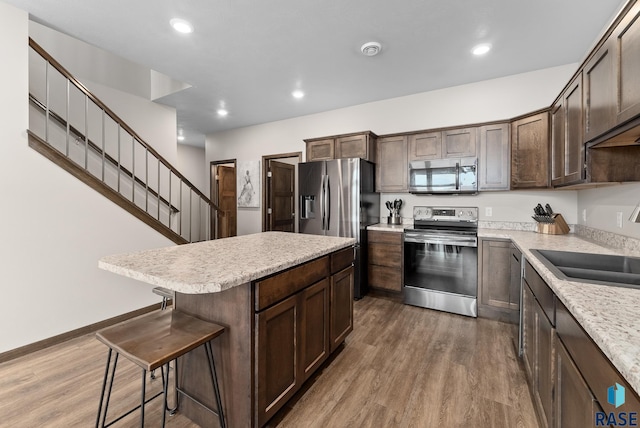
[[146, 179], [118, 158], [133, 169], [68, 120], [181, 211], [170, 203], [104, 137], [190, 214], [86, 132], [158, 161], [46, 79]]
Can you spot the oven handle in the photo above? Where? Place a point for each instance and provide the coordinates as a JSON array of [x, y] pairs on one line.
[[471, 242]]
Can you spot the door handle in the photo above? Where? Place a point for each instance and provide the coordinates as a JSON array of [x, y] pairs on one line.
[[327, 202]]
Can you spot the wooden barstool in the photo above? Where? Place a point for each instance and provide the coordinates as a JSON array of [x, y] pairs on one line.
[[153, 341]]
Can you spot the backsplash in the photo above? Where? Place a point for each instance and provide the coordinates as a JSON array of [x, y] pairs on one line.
[[509, 225], [609, 239]]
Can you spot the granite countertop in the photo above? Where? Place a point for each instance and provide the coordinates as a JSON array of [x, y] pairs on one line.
[[608, 314], [384, 227], [214, 266]]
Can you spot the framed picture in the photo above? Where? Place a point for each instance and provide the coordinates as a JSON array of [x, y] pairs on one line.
[[248, 175]]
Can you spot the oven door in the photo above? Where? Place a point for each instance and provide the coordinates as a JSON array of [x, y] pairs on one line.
[[441, 272]]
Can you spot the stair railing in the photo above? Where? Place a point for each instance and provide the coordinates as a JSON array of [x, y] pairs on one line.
[[73, 128]]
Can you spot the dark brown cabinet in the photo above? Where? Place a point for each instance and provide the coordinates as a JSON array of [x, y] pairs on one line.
[[493, 158], [626, 40], [385, 260], [599, 89], [539, 353], [341, 314], [458, 143], [498, 294], [301, 316], [530, 152], [575, 406], [392, 167], [358, 145], [567, 142], [425, 146]]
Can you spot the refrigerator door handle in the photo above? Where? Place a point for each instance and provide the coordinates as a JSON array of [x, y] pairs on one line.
[[324, 201], [327, 203]]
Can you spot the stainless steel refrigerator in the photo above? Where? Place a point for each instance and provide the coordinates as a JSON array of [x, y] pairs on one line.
[[338, 198]]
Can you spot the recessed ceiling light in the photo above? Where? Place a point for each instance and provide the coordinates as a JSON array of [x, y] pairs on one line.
[[371, 48], [481, 49], [181, 26], [180, 137], [297, 94], [222, 112]]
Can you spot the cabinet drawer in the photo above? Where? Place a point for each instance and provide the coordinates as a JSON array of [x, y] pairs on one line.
[[273, 289], [385, 255], [542, 292], [594, 366], [385, 278], [385, 237], [341, 259]]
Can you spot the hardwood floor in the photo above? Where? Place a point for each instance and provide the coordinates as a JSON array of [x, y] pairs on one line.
[[401, 367]]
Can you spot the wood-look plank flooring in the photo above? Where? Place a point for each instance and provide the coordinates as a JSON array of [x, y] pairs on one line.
[[401, 367]]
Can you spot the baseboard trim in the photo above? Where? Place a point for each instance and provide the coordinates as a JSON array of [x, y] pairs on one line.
[[55, 340]]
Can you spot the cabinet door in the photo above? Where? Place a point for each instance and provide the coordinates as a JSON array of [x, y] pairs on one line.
[[575, 406], [496, 274], [425, 146], [341, 306], [314, 327], [599, 89], [545, 365], [530, 341], [320, 150], [459, 143], [392, 166], [558, 136], [530, 152], [355, 146], [493, 162], [574, 154], [277, 352], [516, 278], [626, 38]]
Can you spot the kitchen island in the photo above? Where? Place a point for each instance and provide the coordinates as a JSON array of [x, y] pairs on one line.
[[285, 299]]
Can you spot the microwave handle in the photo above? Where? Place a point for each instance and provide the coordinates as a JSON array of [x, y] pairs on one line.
[[457, 176]]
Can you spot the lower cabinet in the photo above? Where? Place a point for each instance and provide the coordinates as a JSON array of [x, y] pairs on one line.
[[295, 335], [385, 260], [499, 286], [575, 405]]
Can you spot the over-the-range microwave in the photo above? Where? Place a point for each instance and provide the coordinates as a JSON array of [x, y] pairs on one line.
[[444, 176]]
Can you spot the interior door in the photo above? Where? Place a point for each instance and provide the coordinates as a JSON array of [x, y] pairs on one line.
[[227, 201], [281, 194]]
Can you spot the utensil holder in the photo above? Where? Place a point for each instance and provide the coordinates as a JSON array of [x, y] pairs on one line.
[[558, 227], [394, 220]]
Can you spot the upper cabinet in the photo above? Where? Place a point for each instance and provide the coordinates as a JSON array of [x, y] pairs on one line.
[[567, 146], [599, 89], [452, 143], [493, 159], [626, 40], [530, 152], [360, 145], [392, 168]]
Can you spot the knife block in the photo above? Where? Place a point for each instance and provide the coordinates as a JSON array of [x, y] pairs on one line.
[[558, 227]]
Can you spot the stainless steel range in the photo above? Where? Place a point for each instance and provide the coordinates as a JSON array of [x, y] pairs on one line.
[[441, 259]]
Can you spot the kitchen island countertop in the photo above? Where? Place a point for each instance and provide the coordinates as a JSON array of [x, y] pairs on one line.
[[217, 265]]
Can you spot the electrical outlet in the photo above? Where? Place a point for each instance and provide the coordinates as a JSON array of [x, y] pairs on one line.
[[584, 214], [488, 211], [619, 219]]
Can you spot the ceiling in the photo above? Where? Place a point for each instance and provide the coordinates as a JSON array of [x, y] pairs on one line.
[[249, 55]]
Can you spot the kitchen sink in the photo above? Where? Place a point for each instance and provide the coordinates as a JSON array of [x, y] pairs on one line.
[[621, 271]]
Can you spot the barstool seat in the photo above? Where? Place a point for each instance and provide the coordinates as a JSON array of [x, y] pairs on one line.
[[152, 341]]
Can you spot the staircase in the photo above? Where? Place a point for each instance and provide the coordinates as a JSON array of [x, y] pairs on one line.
[[70, 126]]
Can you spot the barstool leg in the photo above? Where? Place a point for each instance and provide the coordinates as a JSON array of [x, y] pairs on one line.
[[104, 382], [214, 381], [144, 384]]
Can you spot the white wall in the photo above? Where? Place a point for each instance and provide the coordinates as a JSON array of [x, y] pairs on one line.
[[54, 228], [490, 100], [602, 204], [192, 165]]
